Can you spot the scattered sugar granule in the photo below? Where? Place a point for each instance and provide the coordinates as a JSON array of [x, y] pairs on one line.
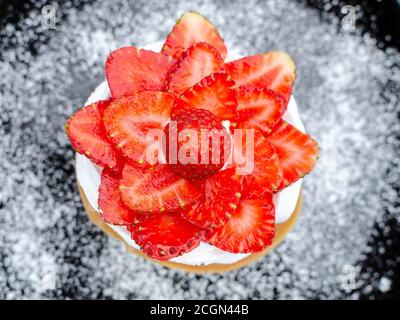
[[348, 93]]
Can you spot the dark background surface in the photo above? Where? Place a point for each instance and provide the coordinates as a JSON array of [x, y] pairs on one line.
[[348, 89]]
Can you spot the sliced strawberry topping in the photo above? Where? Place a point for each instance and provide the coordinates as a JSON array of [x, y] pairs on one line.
[[220, 197], [166, 235], [194, 64], [130, 70], [266, 174], [197, 145], [274, 70], [190, 29], [155, 189], [259, 108], [128, 120], [297, 151], [86, 132], [251, 229], [183, 93], [112, 209], [214, 93]]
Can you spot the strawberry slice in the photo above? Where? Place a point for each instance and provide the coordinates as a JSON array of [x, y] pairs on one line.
[[258, 108], [194, 64], [190, 29], [196, 161], [155, 189], [297, 151], [112, 209], [128, 120], [130, 70], [220, 197], [266, 174], [214, 93], [251, 229], [274, 70], [86, 133], [166, 235]]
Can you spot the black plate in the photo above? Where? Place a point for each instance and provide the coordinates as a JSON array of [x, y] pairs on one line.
[[346, 242]]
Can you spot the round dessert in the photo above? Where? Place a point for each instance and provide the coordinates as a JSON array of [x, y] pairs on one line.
[[203, 217]]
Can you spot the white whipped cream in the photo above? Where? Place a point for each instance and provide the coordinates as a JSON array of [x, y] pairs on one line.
[[88, 175]]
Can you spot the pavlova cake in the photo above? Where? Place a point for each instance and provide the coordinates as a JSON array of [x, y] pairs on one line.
[[190, 154]]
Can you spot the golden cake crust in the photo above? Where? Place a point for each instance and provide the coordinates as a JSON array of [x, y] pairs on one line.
[[281, 231]]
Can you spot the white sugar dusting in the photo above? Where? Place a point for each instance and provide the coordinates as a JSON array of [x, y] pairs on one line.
[[348, 94]]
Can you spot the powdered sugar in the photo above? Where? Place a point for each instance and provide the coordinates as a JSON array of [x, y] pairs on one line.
[[348, 91]]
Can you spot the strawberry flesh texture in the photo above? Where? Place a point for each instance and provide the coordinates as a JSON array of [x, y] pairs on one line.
[[219, 200], [258, 108], [273, 70], [197, 120], [266, 174], [214, 93], [111, 207], [87, 135], [190, 29], [130, 70], [166, 235], [155, 189], [251, 229], [194, 64], [297, 152], [128, 120]]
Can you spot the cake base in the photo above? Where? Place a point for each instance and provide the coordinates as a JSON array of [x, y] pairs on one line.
[[281, 230]]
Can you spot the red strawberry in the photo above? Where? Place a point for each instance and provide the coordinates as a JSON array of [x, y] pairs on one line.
[[274, 70], [220, 197], [197, 144], [128, 120], [155, 189], [214, 93], [166, 235], [86, 132], [194, 64], [266, 174], [297, 151], [259, 108], [190, 29], [130, 70], [251, 229], [111, 207]]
